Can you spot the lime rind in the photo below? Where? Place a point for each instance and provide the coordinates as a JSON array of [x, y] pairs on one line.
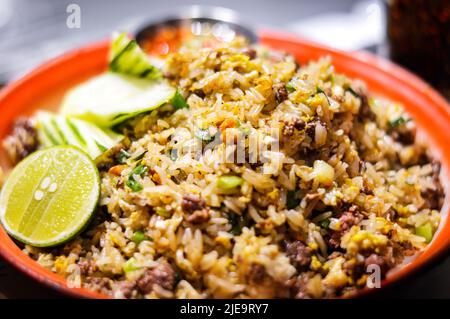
[[78, 222]]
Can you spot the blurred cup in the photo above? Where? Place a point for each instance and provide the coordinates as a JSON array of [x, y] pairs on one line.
[[419, 39]]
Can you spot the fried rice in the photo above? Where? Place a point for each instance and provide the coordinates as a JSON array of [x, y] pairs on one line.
[[346, 185]]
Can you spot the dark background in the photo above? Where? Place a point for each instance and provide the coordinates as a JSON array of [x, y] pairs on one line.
[[32, 31]]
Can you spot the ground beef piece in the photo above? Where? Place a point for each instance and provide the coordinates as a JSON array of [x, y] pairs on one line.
[[404, 135], [283, 290], [300, 287], [169, 75], [347, 220], [365, 112], [126, 288], [199, 216], [407, 249], [355, 267], [334, 255], [312, 197], [390, 214], [22, 141], [299, 254], [292, 125], [200, 93], [434, 198], [330, 292], [299, 124], [334, 240], [348, 292], [100, 284], [87, 267], [366, 188], [350, 218], [384, 262], [251, 53], [257, 273], [311, 130], [162, 275], [191, 203], [288, 130], [281, 93], [436, 170], [261, 200]]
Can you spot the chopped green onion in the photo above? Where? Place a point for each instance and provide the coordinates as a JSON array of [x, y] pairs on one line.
[[135, 186], [292, 200], [425, 231], [178, 101], [178, 276], [290, 86], [353, 92], [319, 90], [130, 265], [139, 157], [161, 211], [397, 122], [139, 170], [102, 148], [123, 156], [325, 223], [139, 237], [229, 182], [236, 222], [131, 182]]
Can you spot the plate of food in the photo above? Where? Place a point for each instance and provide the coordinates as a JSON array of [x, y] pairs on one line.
[[222, 169]]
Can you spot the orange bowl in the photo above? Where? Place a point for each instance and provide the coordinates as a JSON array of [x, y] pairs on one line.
[[45, 86]]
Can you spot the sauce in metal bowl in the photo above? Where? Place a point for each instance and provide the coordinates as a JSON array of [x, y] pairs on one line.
[[160, 39]]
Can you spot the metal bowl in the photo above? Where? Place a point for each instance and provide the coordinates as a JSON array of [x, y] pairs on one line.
[[223, 23]]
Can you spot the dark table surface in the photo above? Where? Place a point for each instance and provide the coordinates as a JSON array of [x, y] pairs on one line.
[[37, 30]]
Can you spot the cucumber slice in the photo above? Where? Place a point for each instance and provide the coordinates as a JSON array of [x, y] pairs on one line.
[[47, 134], [111, 98], [126, 57], [56, 129], [118, 43]]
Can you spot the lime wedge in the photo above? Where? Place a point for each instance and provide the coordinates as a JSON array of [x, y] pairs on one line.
[[50, 196]]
